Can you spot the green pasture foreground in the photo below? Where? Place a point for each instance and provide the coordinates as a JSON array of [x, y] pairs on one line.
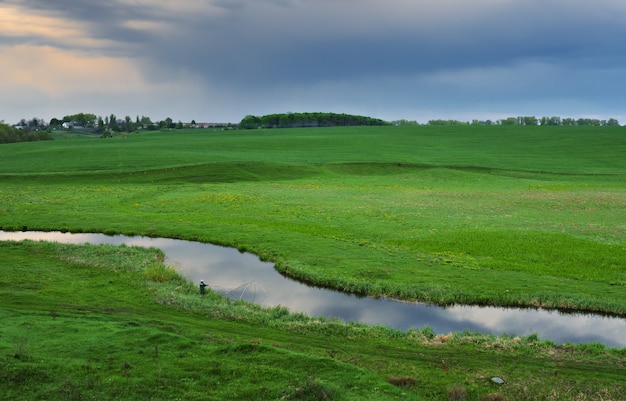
[[524, 216], [114, 323]]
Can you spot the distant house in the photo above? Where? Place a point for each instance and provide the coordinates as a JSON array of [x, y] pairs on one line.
[[204, 125], [72, 125]]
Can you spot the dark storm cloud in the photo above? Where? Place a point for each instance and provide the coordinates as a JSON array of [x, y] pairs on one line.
[[441, 49], [266, 45], [294, 40]]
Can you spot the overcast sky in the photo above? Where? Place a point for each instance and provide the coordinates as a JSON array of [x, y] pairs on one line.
[[219, 60]]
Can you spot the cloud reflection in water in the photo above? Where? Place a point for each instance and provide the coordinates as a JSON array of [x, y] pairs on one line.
[[237, 274]]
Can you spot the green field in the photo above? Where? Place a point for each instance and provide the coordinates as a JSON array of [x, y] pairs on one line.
[[529, 216], [437, 214]]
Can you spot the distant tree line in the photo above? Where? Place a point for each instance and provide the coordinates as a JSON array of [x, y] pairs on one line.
[[30, 130], [108, 125], [299, 120], [10, 134], [523, 120], [567, 122]]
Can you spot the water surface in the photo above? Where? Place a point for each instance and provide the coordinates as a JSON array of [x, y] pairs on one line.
[[243, 275]]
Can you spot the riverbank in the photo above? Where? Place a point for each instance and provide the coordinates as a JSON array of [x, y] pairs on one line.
[[242, 276], [113, 322]]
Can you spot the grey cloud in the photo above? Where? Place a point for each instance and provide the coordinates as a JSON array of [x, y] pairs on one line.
[[251, 48], [253, 41], [386, 51]]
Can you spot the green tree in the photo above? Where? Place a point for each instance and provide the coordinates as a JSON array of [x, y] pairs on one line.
[[509, 121], [81, 119], [10, 135], [446, 122], [128, 124], [250, 122], [403, 123], [555, 120], [113, 124], [55, 123], [529, 120], [292, 120], [100, 126], [146, 122]]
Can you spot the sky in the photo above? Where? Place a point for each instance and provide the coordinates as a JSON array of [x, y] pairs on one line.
[[220, 60]]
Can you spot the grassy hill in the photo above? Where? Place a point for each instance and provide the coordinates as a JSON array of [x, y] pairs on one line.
[[438, 214]]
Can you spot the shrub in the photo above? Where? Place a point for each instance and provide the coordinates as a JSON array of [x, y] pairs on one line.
[[457, 393], [402, 382], [427, 332], [161, 273]]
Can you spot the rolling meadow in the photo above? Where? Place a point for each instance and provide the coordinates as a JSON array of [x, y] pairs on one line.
[[502, 215]]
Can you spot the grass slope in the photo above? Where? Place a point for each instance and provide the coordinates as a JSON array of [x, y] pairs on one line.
[[489, 215], [114, 323], [480, 215]]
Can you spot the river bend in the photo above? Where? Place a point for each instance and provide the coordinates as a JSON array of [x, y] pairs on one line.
[[243, 275]]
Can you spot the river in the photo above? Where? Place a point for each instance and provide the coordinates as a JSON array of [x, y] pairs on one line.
[[242, 275]]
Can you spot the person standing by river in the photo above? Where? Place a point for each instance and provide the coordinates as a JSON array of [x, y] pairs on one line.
[[202, 285]]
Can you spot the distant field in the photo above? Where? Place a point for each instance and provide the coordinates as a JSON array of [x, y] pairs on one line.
[[571, 150], [482, 215]]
